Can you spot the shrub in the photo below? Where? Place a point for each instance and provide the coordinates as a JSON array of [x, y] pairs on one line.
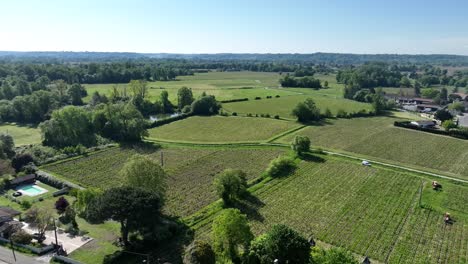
[[281, 166], [267, 115], [277, 117], [328, 113], [249, 115], [21, 237], [449, 124], [61, 205], [25, 205], [21, 160], [258, 98], [199, 252], [231, 185], [268, 97], [300, 144], [234, 113], [341, 113], [277, 96]]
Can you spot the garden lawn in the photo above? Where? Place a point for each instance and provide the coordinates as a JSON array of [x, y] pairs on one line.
[[22, 135], [379, 139], [190, 171], [220, 129]]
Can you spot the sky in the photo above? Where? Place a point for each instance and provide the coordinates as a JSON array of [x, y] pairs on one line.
[[237, 26]]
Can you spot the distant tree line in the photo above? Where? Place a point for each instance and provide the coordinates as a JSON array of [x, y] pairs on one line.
[[304, 82]]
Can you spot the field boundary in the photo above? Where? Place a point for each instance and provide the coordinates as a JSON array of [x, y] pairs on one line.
[[285, 133]]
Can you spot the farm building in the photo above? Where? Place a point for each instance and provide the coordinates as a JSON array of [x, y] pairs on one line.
[[424, 123], [30, 178]]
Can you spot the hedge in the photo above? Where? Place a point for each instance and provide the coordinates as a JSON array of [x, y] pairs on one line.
[[458, 133], [35, 250], [234, 100], [49, 179]]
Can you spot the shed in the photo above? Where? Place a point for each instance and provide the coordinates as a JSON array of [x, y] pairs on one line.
[[30, 178]]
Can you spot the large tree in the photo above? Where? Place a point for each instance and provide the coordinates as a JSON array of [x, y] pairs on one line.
[[143, 172], [121, 122], [69, 126], [199, 252], [184, 97], [282, 243], [306, 111], [300, 144], [231, 232], [231, 185], [76, 92], [137, 210], [205, 105]]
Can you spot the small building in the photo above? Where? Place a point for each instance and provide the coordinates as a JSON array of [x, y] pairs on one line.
[[424, 123], [26, 179], [7, 224], [427, 108]]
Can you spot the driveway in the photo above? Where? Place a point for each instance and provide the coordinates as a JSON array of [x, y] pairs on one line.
[[6, 256], [463, 120]]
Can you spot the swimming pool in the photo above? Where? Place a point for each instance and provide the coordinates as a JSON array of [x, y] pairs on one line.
[[31, 190]]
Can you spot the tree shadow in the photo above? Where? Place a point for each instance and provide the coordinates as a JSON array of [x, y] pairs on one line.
[[311, 157], [249, 205]]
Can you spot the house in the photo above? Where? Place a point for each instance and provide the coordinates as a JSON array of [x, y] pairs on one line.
[[427, 108], [26, 179], [463, 96], [7, 224], [424, 123]]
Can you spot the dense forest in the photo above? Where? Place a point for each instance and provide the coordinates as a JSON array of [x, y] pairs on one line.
[[316, 58]]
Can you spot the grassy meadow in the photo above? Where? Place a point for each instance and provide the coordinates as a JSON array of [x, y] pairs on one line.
[[22, 135], [223, 85], [220, 129], [377, 137]]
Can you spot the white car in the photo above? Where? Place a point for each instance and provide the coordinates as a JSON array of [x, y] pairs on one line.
[[365, 163]]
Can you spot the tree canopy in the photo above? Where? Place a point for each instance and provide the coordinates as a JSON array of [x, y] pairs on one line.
[[231, 185], [144, 172], [306, 111]]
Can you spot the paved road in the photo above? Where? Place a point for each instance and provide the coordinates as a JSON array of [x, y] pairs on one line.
[[6, 256]]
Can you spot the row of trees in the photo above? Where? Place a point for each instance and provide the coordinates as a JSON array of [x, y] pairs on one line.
[[304, 82]]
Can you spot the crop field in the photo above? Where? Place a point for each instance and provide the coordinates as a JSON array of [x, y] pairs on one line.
[[283, 106], [190, 170], [219, 129], [367, 210], [377, 137], [223, 85], [22, 135]]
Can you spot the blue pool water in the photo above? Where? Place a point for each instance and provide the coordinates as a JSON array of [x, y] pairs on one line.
[[32, 190]]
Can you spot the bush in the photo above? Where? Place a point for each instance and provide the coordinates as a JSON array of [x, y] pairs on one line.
[[61, 205], [341, 113], [199, 252], [277, 117], [267, 115], [186, 109], [235, 100], [281, 166], [268, 97], [249, 115], [277, 96], [234, 114], [231, 185], [25, 205], [449, 124], [21, 160], [21, 237], [300, 144], [327, 113], [258, 98]]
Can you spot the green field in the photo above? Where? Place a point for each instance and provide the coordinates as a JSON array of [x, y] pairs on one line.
[[191, 171], [219, 129], [377, 137], [283, 106], [223, 85], [22, 135], [372, 211]]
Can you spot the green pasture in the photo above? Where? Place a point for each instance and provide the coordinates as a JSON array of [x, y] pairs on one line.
[[22, 134]]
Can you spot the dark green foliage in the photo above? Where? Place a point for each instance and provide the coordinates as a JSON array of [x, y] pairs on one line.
[[166, 105], [21, 237], [205, 105], [21, 160], [68, 126], [184, 97], [199, 252], [281, 243], [231, 185], [137, 210], [305, 82], [76, 92], [6, 146], [443, 115], [120, 122], [281, 166], [307, 111], [300, 144]]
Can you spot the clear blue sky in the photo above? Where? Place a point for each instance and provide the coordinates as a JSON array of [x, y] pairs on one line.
[[203, 26]]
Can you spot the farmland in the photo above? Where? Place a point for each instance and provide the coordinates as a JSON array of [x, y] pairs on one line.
[[219, 129], [371, 211], [378, 138], [223, 85], [283, 106], [22, 135], [191, 171]]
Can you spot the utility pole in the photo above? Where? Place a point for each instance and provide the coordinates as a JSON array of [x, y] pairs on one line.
[[55, 232], [162, 159], [13, 249]]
